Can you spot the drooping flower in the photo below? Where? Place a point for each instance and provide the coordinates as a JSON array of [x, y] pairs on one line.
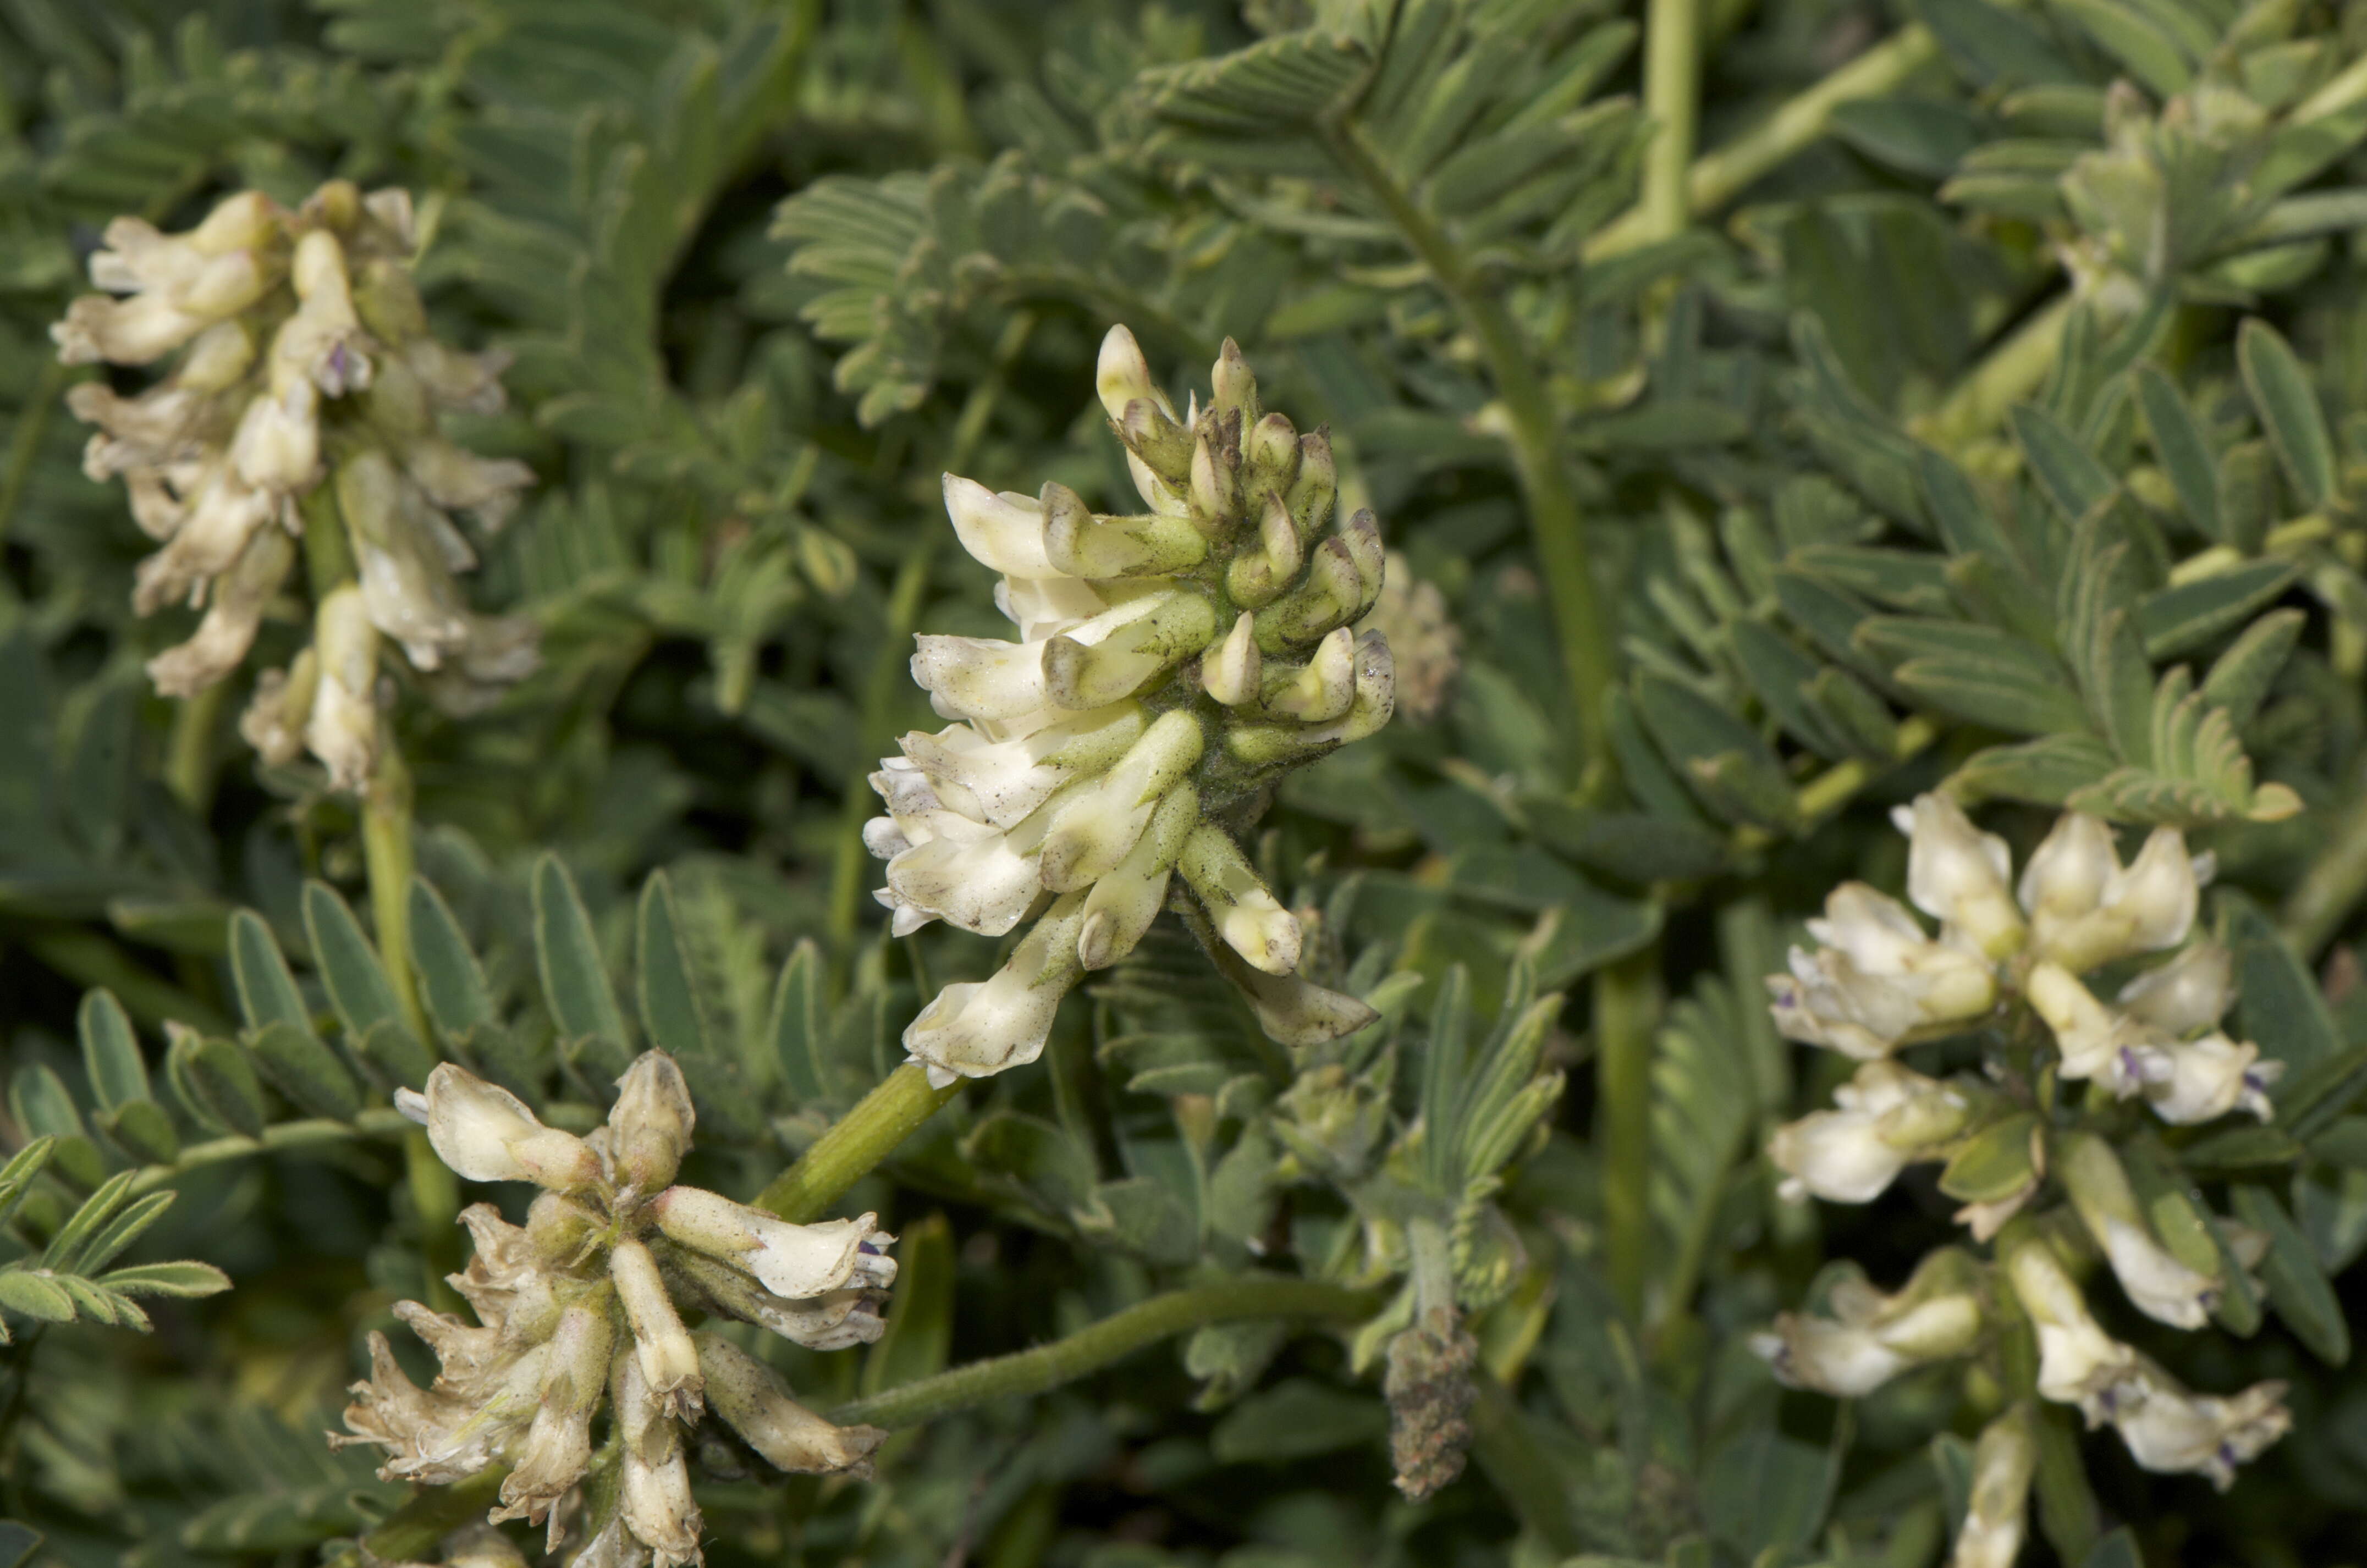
[[1887, 1118], [1871, 1338], [2171, 1431], [1875, 979], [582, 1303], [304, 358], [1171, 666]]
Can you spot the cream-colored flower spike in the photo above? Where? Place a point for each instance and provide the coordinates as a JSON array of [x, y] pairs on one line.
[[304, 358], [1171, 666], [586, 1300]]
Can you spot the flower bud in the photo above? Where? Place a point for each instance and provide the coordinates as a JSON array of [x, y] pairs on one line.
[[1250, 920], [2065, 875], [486, 1133], [2149, 906], [759, 1406], [1123, 376], [1231, 672], [1958, 874], [655, 1484], [651, 1122], [342, 731], [1079, 543], [1125, 901]]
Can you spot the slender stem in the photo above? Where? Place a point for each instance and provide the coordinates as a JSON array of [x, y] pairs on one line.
[[1672, 102], [2013, 371], [1557, 527], [388, 856], [1112, 1339], [1626, 1015], [2336, 882], [854, 1143], [1839, 785], [1718, 177], [285, 1138]]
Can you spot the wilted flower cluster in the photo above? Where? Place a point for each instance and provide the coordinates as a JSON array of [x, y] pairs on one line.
[[2009, 955], [304, 358], [1171, 666], [581, 1302]]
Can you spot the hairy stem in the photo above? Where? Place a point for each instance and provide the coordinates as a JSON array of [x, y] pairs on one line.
[[1112, 1339], [1718, 177], [1672, 102], [1626, 1014], [854, 1143], [189, 752], [2336, 882], [1557, 527]]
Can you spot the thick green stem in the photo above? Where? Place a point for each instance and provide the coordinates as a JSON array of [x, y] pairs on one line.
[[1557, 527], [1112, 1339], [1718, 177], [2336, 881], [1673, 101], [388, 856], [854, 1143], [1626, 1015], [285, 1138]]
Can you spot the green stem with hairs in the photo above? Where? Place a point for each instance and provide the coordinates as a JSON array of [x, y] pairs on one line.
[[1627, 997], [856, 1142], [1672, 102], [285, 1137], [2336, 882], [1557, 527], [1112, 1339], [1719, 176]]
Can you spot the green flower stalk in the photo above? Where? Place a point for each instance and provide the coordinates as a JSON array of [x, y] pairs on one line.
[[1171, 667], [304, 403]]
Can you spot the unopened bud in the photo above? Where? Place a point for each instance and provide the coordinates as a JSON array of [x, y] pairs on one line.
[[759, 1406], [650, 1125]]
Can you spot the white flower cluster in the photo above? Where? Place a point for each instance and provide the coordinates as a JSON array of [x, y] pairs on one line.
[[1170, 667], [2011, 953], [304, 355], [579, 1303], [1877, 980]]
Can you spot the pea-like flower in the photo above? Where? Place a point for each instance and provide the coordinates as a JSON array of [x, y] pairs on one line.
[[304, 359], [1871, 1338], [1887, 1118], [585, 1299], [1171, 666]]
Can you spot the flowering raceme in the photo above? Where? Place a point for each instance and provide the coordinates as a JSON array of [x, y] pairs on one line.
[[305, 360], [2008, 958], [580, 1302], [1171, 667]]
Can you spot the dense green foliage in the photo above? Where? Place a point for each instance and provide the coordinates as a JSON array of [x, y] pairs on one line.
[[1985, 406]]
